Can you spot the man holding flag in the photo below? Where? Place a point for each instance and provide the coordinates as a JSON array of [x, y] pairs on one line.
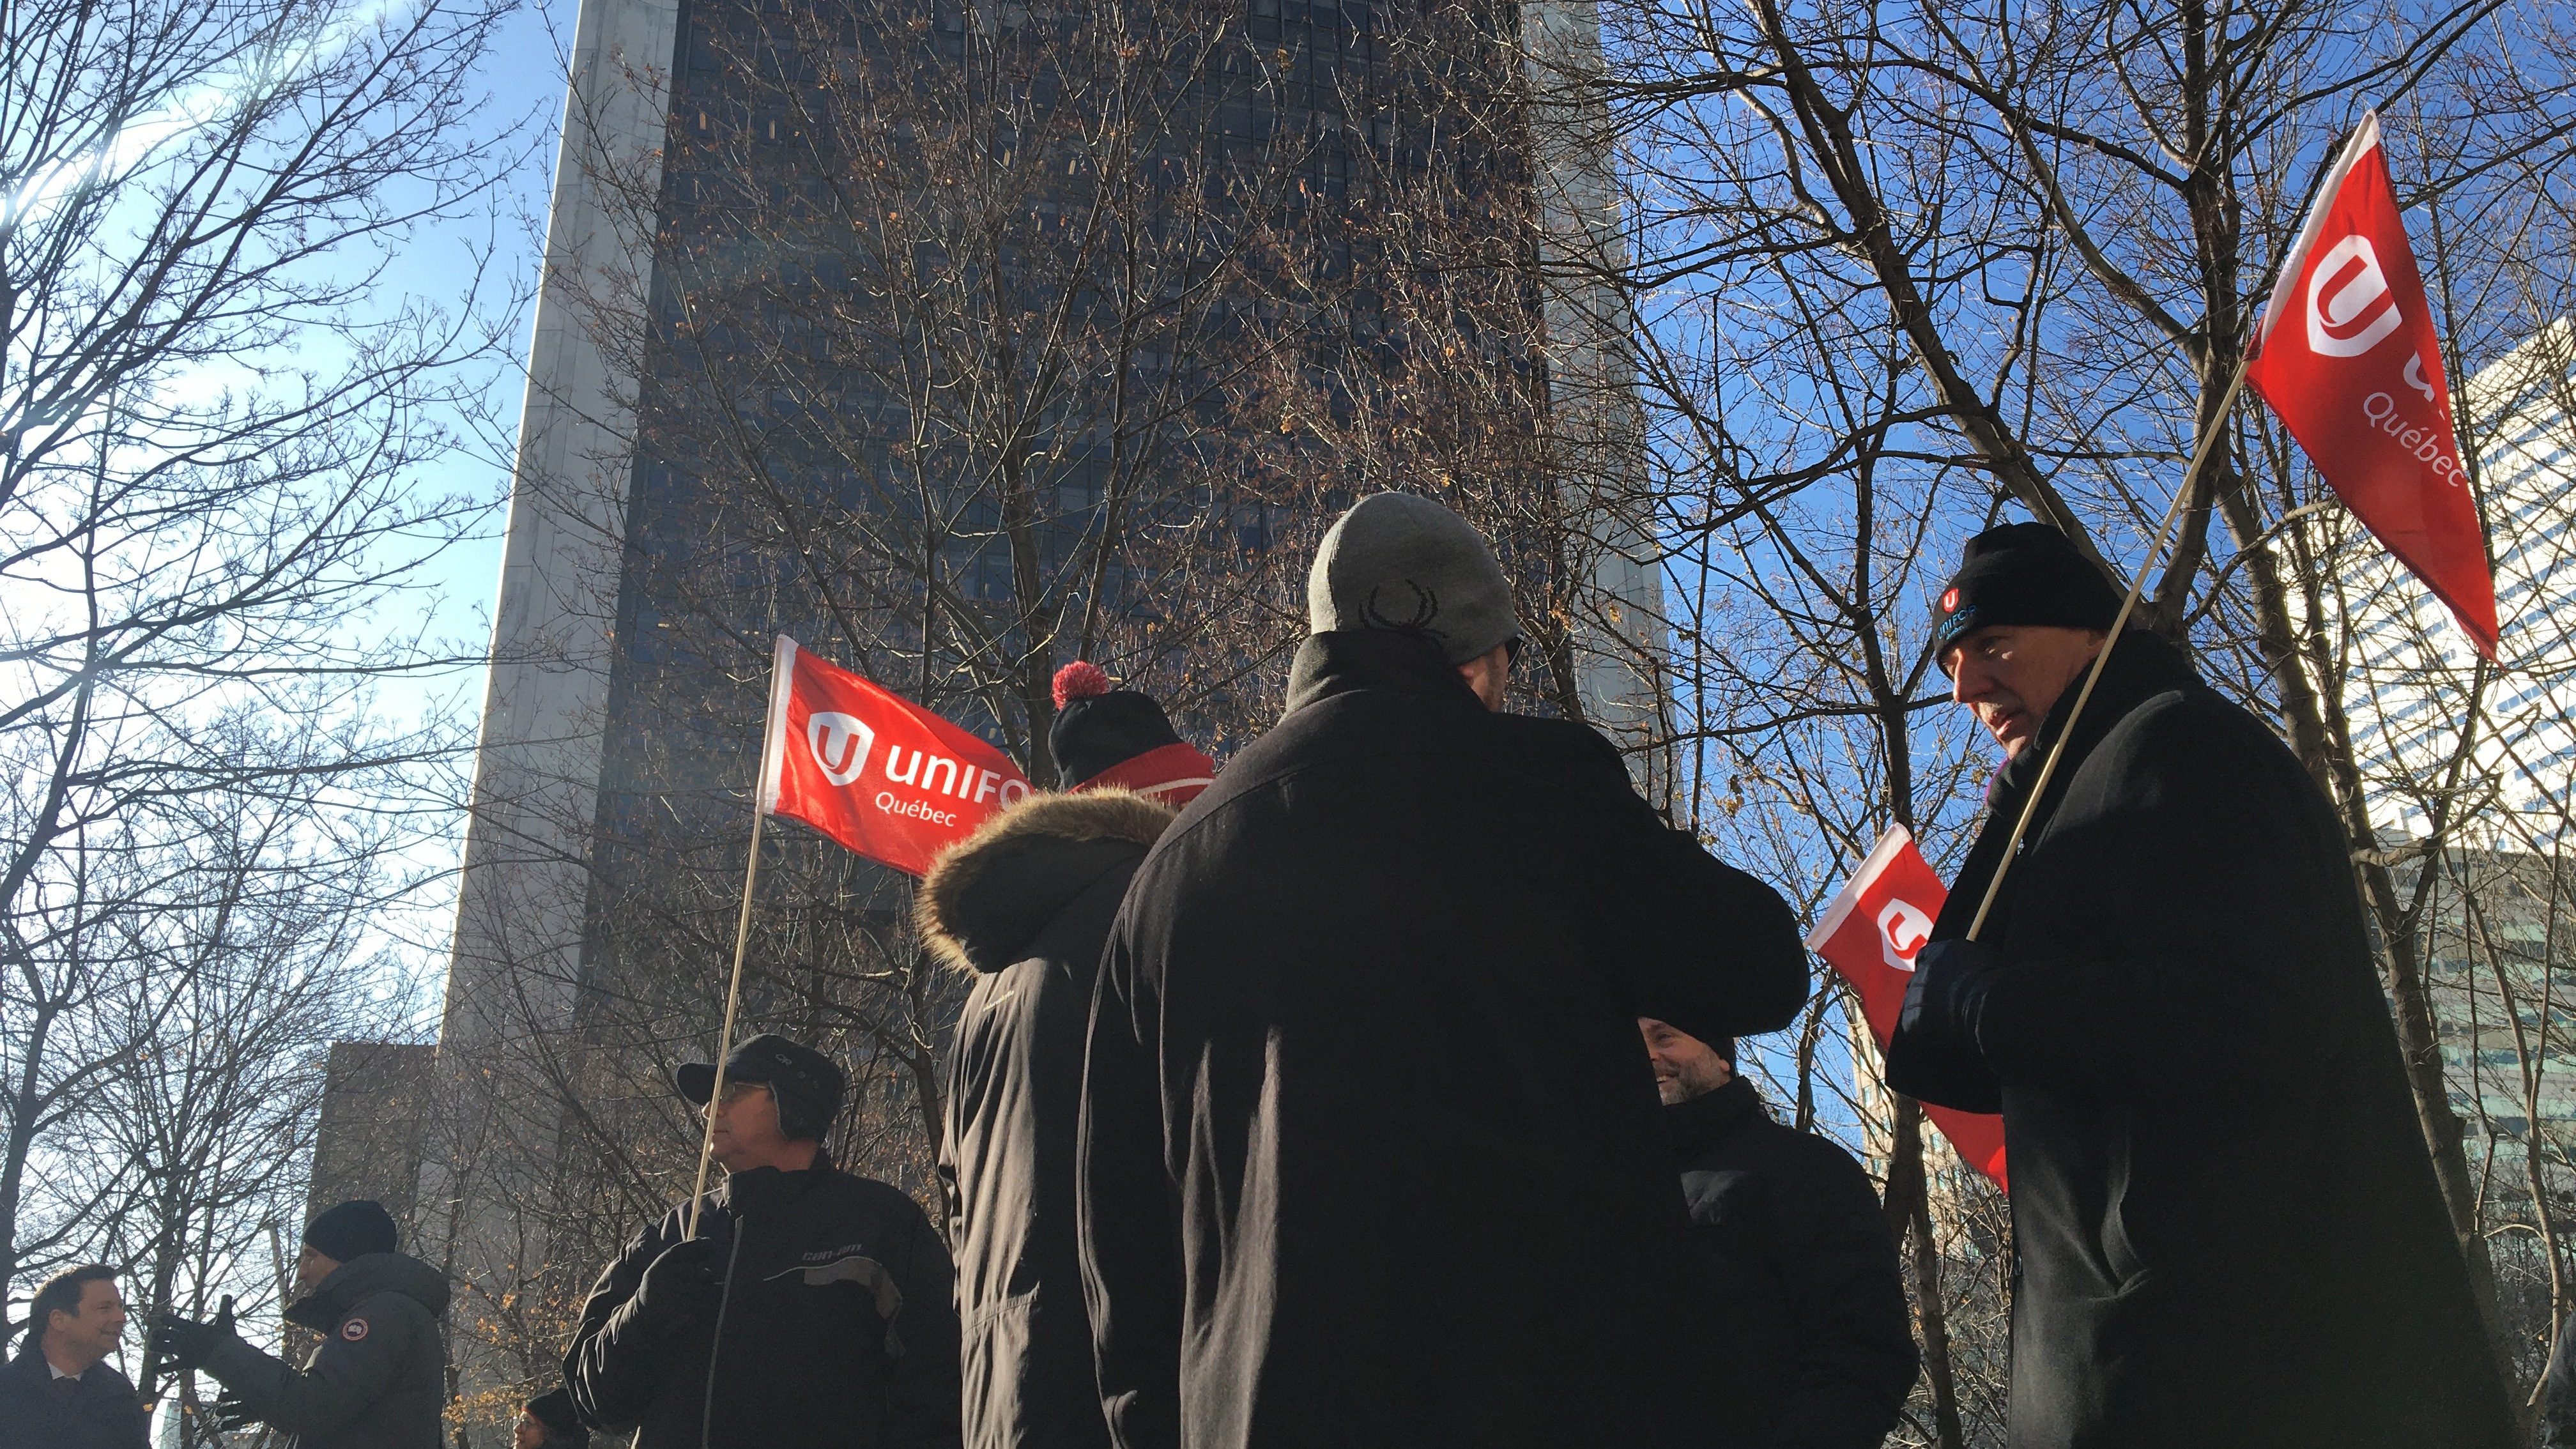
[[802, 1307], [2228, 1228]]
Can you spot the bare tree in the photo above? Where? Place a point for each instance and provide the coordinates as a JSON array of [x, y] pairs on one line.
[[213, 425]]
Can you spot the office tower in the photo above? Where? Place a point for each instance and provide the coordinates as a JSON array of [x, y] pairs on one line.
[[957, 340]]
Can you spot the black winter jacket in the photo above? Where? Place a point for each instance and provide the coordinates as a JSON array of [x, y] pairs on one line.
[[101, 1411], [2229, 1229], [1025, 904], [835, 1329], [379, 1380], [1819, 1347], [1370, 1149]]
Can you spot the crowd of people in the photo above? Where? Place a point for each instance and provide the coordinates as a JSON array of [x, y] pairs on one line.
[[1384, 1091]]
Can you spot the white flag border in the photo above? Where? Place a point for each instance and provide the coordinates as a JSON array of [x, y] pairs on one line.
[[2365, 139], [773, 737]]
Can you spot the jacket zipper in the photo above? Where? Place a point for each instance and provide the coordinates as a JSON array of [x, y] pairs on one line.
[[715, 1345]]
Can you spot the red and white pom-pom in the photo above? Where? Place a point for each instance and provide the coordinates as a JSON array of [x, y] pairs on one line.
[[1081, 679]]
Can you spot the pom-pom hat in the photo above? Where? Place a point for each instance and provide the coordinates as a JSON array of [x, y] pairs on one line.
[[1104, 736]]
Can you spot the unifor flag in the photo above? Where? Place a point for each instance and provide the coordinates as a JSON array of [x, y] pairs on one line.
[[2348, 360], [871, 769], [1869, 935]]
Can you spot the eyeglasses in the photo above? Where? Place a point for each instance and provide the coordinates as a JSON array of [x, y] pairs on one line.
[[736, 1091]]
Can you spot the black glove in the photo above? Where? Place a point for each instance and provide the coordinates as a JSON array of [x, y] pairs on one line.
[[684, 1284], [230, 1415], [1945, 1003], [183, 1345]]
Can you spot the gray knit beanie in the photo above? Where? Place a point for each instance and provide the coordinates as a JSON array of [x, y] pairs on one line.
[[1396, 561]]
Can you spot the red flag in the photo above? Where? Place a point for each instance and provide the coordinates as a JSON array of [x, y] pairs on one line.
[[2348, 360], [871, 769], [1869, 936]]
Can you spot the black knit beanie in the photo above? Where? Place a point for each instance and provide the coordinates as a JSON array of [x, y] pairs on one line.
[[1097, 727], [555, 1411], [2022, 573], [1724, 1046], [351, 1230]]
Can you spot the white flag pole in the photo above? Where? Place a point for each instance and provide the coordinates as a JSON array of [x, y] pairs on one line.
[[782, 677], [2363, 137], [2137, 587]]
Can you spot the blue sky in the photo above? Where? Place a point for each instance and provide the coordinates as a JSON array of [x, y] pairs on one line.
[[523, 84]]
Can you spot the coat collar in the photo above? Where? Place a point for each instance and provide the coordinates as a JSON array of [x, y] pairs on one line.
[[2144, 666], [365, 1275], [1349, 659], [1711, 1115], [987, 899]]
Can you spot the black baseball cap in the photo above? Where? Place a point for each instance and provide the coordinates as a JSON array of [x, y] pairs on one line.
[[805, 1082]]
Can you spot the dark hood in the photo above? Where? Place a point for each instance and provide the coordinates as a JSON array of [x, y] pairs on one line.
[[364, 1277], [991, 894], [1347, 659]]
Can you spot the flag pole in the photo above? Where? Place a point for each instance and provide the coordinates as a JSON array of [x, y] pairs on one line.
[[2137, 587], [782, 666], [724, 1043]]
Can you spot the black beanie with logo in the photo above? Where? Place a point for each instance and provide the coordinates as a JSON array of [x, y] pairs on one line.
[[2022, 573]]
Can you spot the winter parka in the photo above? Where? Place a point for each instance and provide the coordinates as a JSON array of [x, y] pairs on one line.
[[834, 1328], [379, 1379], [1819, 1343], [1371, 1152], [99, 1411], [2228, 1225], [1025, 904]]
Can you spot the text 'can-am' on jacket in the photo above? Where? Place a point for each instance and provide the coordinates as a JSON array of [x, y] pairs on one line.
[[1024, 904], [833, 1327]]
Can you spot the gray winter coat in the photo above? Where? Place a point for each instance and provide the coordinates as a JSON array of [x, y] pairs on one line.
[[379, 1380]]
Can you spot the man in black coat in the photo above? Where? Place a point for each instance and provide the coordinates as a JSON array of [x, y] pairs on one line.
[[1369, 1155], [1819, 1353], [812, 1309], [379, 1378], [60, 1392], [1024, 905], [2228, 1224]]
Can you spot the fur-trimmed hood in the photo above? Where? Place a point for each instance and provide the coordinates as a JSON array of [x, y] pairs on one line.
[[989, 895]]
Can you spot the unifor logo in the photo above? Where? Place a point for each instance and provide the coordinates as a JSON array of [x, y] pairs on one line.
[[840, 743], [1950, 600], [2349, 309], [1902, 930]]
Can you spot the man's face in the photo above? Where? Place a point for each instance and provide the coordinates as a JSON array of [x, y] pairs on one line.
[[528, 1433], [1685, 1066], [92, 1333], [746, 1127], [2012, 674], [311, 1267], [1490, 674]]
